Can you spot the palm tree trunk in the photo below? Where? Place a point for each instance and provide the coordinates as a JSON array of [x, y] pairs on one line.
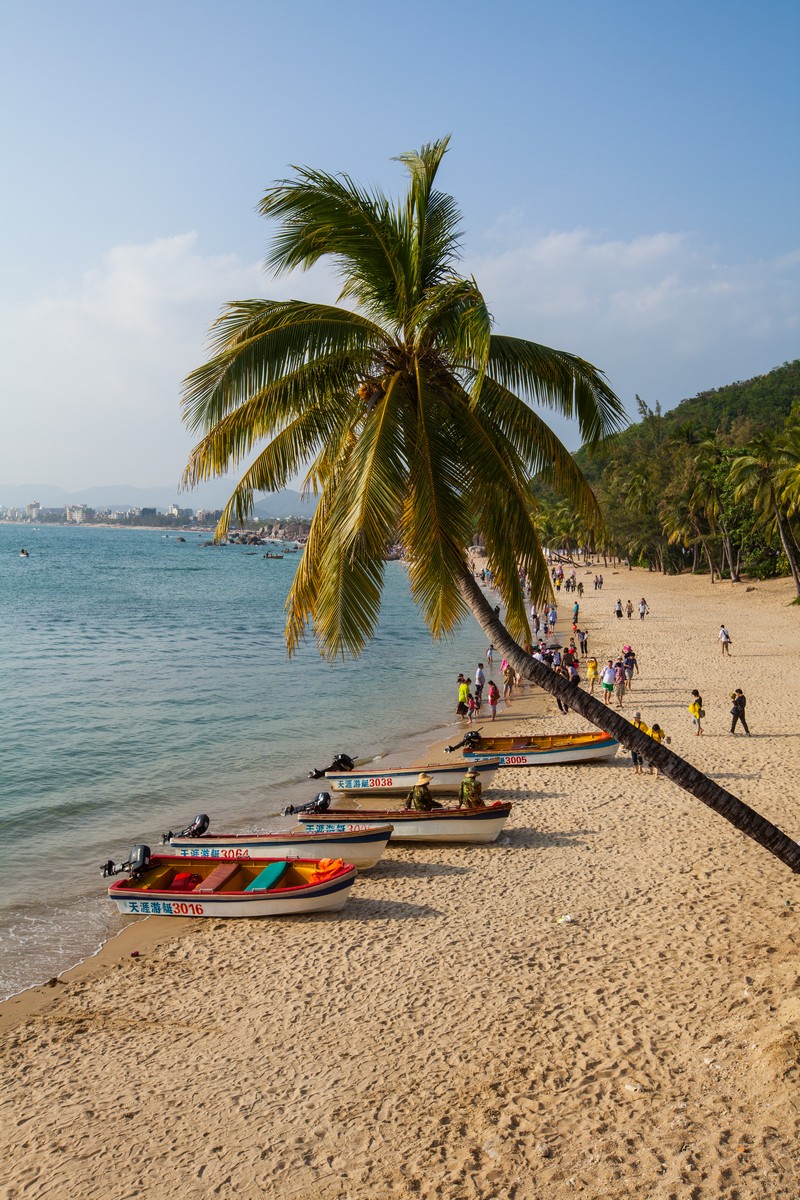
[[676, 769], [787, 549]]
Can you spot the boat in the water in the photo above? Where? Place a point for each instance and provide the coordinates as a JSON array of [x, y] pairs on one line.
[[475, 825], [344, 776], [24, 554], [169, 885], [272, 556], [356, 843], [535, 750]]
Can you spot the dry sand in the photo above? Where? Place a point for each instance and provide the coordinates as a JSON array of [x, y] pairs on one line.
[[448, 1034]]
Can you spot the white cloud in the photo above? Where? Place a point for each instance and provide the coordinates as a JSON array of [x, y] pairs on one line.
[[660, 314], [90, 374]]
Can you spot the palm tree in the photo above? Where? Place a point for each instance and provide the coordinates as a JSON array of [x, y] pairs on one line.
[[757, 475], [710, 462], [406, 414]]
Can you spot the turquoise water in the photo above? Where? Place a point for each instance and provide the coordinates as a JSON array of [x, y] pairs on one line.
[[146, 680]]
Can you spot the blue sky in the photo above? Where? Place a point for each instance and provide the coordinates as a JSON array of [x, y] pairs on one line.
[[628, 175]]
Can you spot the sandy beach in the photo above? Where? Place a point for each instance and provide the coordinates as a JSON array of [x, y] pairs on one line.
[[451, 1033]]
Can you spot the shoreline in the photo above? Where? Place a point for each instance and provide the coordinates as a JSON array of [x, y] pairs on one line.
[[417, 748], [602, 1003]]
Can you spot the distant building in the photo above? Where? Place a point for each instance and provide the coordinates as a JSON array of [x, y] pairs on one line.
[[33, 510], [78, 513]]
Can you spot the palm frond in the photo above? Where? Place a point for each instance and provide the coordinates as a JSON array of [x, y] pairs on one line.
[[559, 381]]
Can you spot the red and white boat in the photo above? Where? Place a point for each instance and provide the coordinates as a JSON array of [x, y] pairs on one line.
[[169, 885]]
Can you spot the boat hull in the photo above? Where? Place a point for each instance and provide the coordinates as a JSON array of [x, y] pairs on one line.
[[398, 781], [543, 752], [151, 894], [361, 845], [479, 826]]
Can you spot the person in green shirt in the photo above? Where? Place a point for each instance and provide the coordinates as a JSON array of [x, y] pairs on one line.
[[469, 793], [420, 798]]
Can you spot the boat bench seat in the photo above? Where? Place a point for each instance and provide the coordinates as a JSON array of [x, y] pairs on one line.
[[221, 874], [268, 878]]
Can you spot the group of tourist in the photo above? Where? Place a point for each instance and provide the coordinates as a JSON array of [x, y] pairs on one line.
[[738, 706], [644, 609]]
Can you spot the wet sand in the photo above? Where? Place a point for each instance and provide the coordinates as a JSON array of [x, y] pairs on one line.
[[605, 1003]]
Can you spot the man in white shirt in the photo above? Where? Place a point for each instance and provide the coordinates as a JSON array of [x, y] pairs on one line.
[[725, 639], [607, 681], [480, 680]]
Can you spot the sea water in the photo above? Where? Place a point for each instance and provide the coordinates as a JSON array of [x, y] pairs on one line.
[[144, 680]]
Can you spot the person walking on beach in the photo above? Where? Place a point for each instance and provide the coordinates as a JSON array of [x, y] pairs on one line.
[[644, 609], [607, 681], [696, 711], [725, 639], [480, 680], [473, 708], [630, 663], [563, 673], [638, 761], [592, 673], [618, 610], [580, 590], [492, 697], [596, 582], [629, 609], [509, 677], [737, 711], [469, 792], [490, 655], [420, 798], [463, 696], [658, 735], [619, 681]]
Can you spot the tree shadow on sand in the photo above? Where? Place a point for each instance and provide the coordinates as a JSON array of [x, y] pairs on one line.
[[536, 839], [396, 868], [361, 909]]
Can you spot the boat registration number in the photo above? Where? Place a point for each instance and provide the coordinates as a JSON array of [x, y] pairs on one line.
[[513, 760], [212, 852], [165, 908], [371, 781]]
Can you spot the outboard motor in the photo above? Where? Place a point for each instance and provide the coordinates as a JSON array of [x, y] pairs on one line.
[[138, 861], [196, 829], [320, 804], [342, 762], [471, 739]]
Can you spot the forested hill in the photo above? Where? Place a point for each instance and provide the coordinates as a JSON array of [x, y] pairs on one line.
[[766, 401], [736, 411], [713, 485]]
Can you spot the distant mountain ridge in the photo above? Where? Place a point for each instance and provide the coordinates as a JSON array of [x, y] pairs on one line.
[[212, 495]]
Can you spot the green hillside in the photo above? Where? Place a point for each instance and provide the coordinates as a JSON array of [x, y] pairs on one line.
[[713, 485]]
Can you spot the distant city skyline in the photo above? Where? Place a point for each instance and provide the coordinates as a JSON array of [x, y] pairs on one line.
[[629, 179]]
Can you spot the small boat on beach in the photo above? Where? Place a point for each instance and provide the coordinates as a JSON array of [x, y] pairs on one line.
[[170, 885], [356, 843], [393, 781], [478, 826], [535, 751]]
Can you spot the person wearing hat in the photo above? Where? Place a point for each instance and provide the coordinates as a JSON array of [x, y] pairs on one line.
[[638, 761], [420, 798], [469, 793]]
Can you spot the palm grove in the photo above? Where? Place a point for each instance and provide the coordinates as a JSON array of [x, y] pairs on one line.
[[409, 418]]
